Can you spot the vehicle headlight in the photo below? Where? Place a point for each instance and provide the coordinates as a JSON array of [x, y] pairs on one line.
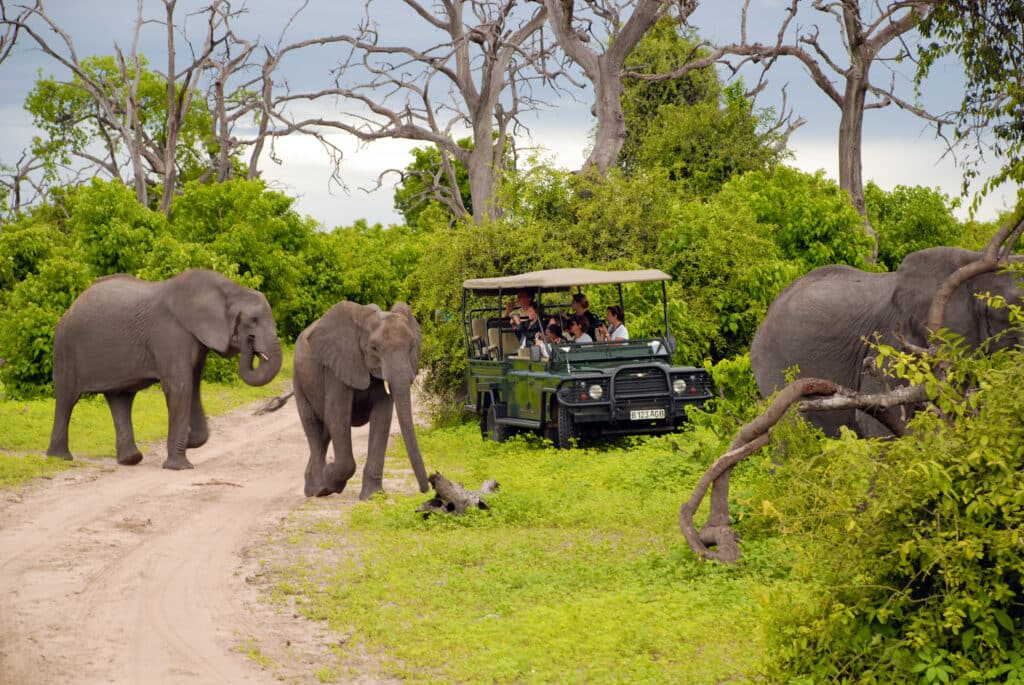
[[595, 391], [679, 386]]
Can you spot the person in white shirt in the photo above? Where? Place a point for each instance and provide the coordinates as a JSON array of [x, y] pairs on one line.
[[578, 329], [615, 331]]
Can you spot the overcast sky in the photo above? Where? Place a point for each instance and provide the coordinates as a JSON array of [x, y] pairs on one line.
[[898, 148]]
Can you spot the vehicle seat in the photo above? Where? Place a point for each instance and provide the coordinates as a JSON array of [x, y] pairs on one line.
[[493, 343], [478, 328], [509, 343]]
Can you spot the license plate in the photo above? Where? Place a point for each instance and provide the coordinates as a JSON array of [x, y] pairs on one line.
[[644, 414]]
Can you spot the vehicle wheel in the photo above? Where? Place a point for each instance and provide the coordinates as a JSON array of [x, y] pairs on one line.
[[494, 430], [566, 429]]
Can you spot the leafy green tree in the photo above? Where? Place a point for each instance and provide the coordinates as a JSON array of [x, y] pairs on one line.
[[701, 131], [910, 218], [29, 318], [985, 36], [81, 132], [108, 227]]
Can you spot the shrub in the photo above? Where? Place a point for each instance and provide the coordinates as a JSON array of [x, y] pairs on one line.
[[912, 550], [28, 321]]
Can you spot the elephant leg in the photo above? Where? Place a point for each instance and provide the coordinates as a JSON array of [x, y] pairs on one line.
[[317, 437], [198, 430], [380, 427], [178, 411], [66, 401], [337, 473], [120, 403]]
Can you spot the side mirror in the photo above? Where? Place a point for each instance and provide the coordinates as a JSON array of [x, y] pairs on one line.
[[670, 345]]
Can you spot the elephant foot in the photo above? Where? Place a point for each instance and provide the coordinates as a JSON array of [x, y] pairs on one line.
[[129, 459], [369, 490], [59, 452], [197, 439], [178, 464]]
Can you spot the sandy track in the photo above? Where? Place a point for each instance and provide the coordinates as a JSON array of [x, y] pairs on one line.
[[136, 574]]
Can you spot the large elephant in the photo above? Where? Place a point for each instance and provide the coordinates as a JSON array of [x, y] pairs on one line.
[[123, 334], [352, 366], [820, 321]]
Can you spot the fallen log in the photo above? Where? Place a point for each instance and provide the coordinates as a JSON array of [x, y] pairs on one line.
[[453, 498]]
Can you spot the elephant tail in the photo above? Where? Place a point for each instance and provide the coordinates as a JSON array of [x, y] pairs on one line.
[[273, 404]]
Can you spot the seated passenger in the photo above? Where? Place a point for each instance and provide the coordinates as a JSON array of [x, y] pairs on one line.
[[615, 331], [581, 305], [553, 337], [518, 308], [579, 329], [527, 328]]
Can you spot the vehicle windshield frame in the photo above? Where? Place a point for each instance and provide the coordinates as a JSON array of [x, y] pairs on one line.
[[563, 280]]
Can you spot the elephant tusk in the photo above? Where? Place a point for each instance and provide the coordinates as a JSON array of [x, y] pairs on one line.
[[387, 387], [263, 356]]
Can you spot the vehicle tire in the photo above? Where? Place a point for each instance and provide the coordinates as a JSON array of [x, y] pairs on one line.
[[566, 429], [494, 430]]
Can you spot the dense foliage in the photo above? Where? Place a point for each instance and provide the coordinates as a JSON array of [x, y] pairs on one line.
[[912, 550]]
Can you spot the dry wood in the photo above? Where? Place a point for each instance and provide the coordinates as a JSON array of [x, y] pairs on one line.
[[453, 498]]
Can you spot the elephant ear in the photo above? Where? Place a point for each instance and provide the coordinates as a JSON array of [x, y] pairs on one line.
[[200, 301], [918, 277], [403, 310], [338, 340]]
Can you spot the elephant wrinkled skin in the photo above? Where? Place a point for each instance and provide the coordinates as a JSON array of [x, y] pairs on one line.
[[352, 366], [820, 321], [123, 334]]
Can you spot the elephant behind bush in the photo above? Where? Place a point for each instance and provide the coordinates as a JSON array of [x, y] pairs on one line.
[[820, 323]]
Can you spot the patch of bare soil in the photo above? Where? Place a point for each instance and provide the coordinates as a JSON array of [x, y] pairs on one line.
[[113, 574]]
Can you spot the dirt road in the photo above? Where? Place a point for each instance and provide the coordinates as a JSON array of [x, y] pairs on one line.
[[139, 575]]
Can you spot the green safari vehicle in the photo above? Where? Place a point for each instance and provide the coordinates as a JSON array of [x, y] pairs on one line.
[[581, 390]]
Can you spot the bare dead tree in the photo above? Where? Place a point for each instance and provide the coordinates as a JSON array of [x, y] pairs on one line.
[[579, 32], [478, 77], [21, 182], [132, 152], [824, 395]]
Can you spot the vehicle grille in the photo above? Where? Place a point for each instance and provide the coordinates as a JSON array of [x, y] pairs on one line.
[[640, 382]]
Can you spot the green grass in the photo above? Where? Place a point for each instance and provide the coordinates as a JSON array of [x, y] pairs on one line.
[[577, 574], [26, 425]]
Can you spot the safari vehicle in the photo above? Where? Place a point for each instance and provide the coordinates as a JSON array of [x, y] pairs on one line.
[[583, 390]]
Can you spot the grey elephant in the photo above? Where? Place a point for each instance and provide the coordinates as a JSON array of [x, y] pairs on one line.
[[123, 334], [353, 366], [820, 321]]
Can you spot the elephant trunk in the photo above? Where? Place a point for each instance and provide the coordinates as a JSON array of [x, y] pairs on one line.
[[403, 407], [270, 357]]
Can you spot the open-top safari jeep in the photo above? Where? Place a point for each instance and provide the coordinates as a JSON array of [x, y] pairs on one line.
[[583, 390]]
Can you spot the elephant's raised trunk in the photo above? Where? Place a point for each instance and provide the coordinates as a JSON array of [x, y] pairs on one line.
[[269, 361], [403, 408]]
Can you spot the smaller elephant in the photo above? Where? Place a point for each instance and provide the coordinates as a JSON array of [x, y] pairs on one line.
[[123, 334], [353, 366], [820, 322]]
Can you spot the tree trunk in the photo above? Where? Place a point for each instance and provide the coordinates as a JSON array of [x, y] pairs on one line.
[[851, 129]]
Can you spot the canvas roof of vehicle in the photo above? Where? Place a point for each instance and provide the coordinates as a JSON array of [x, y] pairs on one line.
[[552, 280]]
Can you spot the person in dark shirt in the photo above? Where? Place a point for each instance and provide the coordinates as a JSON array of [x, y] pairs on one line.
[[581, 307], [527, 328]]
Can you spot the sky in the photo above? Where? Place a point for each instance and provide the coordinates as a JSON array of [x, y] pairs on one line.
[[898, 147]]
